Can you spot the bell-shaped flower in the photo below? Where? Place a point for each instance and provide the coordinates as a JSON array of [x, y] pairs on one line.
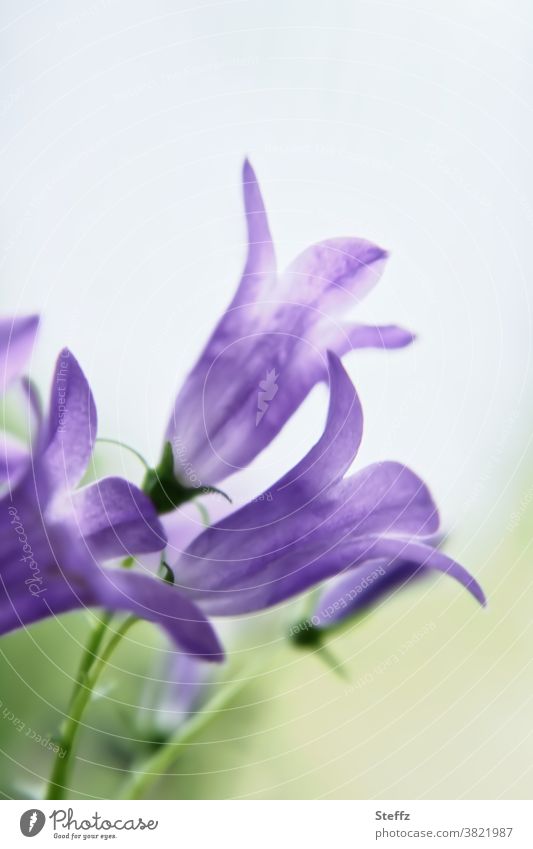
[[316, 523], [269, 348], [54, 536]]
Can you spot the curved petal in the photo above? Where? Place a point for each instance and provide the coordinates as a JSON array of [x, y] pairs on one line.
[[72, 424], [385, 498], [257, 583], [333, 274], [268, 524], [78, 583], [358, 589], [161, 603], [261, 258], [116, 519]]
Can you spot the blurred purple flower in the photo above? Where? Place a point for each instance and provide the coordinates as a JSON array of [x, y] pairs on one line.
[[17, 336], [318, 524], [356, 591], [53, 537], [269, 348]]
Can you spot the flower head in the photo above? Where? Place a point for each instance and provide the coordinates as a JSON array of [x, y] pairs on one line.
[[318, 524], [55, 536], [269, 348]]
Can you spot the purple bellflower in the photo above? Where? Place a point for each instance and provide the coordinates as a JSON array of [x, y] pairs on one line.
[[54, 536], [317, 524], [269, 348]]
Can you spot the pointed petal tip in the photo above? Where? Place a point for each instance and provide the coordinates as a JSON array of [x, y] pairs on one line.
[[339, 379], [248, 173], [475, 590]]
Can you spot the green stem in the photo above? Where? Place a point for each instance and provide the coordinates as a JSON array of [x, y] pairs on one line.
[[96, 638], [88, 674], [109, 441], [157, 765]]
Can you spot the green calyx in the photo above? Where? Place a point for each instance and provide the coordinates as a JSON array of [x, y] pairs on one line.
[[165, 491]]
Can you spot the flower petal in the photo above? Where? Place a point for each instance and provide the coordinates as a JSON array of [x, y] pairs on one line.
[[270, 523], [385, 498], [248, 585], [72, 424], [261, 258], [333, 275], [384, 336], [17, 336], [28, 595], [361, 588], [116, 519], [161, 603]]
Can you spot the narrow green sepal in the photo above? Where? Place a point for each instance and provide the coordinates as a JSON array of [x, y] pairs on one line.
[[166, 573], [305, 635]]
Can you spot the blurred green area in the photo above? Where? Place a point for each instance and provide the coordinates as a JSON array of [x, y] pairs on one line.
[[434, 700], [437, 703]]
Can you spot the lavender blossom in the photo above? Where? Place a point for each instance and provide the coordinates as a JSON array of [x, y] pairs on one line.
[[54, 537], [317, 525], [269, 348]]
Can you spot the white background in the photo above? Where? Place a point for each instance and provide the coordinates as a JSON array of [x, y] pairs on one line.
[[123, 129]]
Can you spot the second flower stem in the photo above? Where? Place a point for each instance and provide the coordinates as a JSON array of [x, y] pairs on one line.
[[91, 666], [157, 765]]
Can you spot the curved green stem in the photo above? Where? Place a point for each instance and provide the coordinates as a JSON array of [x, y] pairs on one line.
[[136, 453], [88, 674], [157, 765]]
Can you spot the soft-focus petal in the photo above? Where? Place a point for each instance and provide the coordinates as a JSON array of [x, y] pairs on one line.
[[361, 588], [59, 576], [261, 258], [13, 459], [72, 424], [245, 586], [17, 336], [116, 519], [368, 336], [386, 498], [333, 274], [294, 502], [161, 603]]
